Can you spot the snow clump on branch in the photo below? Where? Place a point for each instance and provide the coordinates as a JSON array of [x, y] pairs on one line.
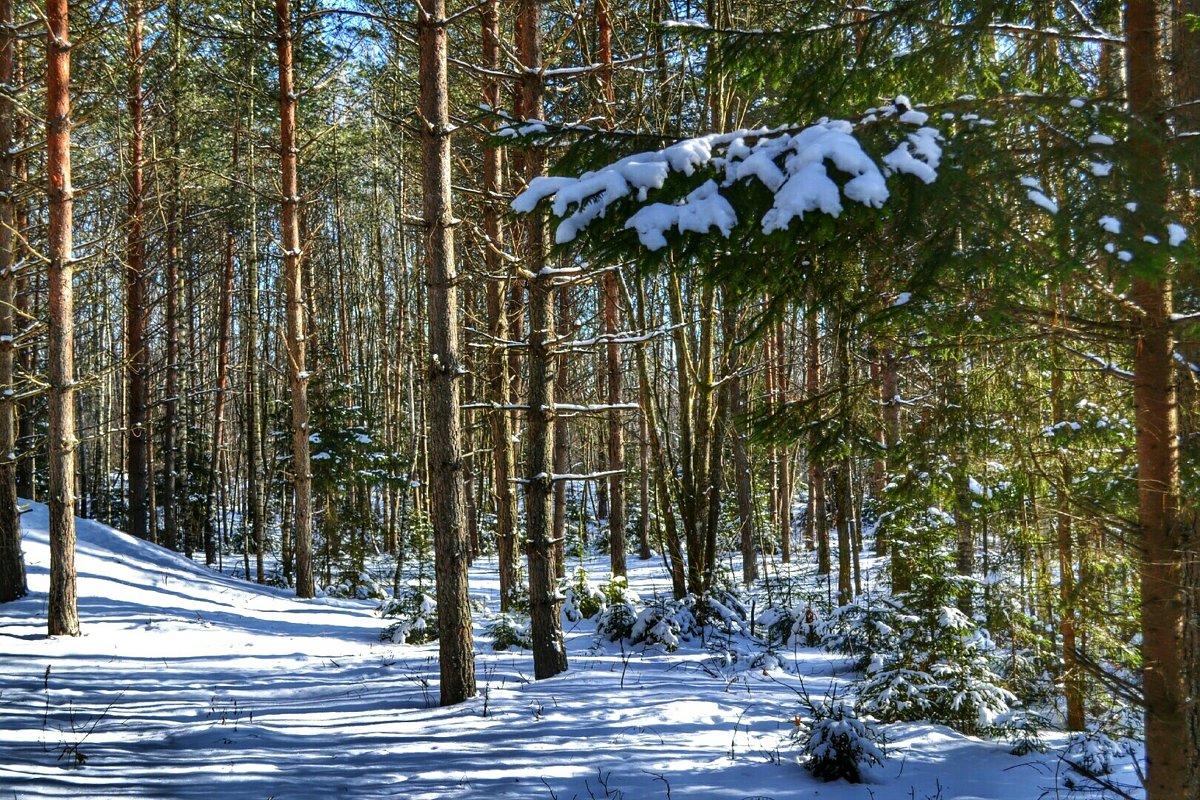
[[793, 165]]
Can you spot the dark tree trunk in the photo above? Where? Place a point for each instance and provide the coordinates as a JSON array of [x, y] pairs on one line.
[[224, 332], [743, 477], [172, 290], [549, 648], [816, 470], [137, 312], [503, 459]]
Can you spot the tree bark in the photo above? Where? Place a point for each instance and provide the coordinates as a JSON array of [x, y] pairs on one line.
[[172, 291], [1170, 749], [452, 546], [293, 277], [503, 458], [63, 614], [224, 333], [549, 648], [612, 323], [293, 280], [783, 453], [137, 312], [12, 563], [255, 478], [1069, 618], [743, 477], [818, 522]]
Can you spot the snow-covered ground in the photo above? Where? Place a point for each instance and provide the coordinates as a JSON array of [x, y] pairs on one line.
[[189, 684]]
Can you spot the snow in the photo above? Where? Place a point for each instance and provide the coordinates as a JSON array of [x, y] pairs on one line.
[[1101, 139], [1176, 234], [901, 299], [809, 170], [700, 211], [1040, 199], [1110, 224], [187, 683]]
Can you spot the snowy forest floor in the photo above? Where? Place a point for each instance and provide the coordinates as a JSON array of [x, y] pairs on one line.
[[190, 684]]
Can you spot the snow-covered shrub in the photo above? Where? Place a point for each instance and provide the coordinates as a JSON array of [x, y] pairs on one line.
[[838, 743], [724, 607], [415, 615], [616, 590], [616, 622], [662, 623], [1092, 753], [942, 671], [507, 631], [665, 624], [357, 585], [863, 628], [582, 599], [1023, 729], [793, 625]]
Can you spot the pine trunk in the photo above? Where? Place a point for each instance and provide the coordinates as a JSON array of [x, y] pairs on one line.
[[503, 459], [1170, 750], [549, 648], [452, 546], [63, 614], [293, 278], [743, 477], [137, 312], [12, 563]]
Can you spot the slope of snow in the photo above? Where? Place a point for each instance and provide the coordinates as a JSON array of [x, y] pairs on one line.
[[188, 684]]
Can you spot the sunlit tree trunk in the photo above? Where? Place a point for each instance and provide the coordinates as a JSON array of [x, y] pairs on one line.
[[293, 279], [63, 615], [452, 546], [12, 563]]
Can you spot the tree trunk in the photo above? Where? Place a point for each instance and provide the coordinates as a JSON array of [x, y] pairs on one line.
[[561, 454], [743, 477], [1170, 749], [1072, 678], [889, 391], [452, 547], [293, 277], [783, 459], [63, 615], [503, 459], [841, 476], [172, 290], [137, 312], [816, 470], [549, 648], [224, 332], [612, 323], [12, 563], [665, 498], [255, 478]]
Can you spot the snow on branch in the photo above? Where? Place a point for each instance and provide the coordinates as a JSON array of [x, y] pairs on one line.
[[794, 165]]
